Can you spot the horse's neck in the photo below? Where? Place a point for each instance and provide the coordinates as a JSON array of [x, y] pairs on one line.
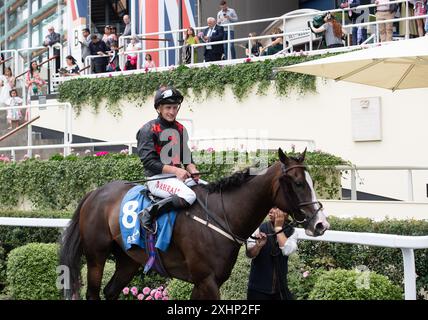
[[247, 206]]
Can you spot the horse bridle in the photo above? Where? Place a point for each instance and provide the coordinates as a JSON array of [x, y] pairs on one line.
[[302, 204], [240, 240]]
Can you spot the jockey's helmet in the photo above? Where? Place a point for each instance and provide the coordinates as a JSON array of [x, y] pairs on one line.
[[168, 95]]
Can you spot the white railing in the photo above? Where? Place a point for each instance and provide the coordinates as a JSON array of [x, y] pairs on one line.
[[409, 170], [374, 37], [309, 142], [407, 244], [229, 41], [68, 146], [68, 136]]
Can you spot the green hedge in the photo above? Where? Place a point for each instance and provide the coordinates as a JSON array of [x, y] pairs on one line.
[[31, 272], [137, 88], [352, 285], [385, 261], [314, 258], [13, 237], [61, 182]]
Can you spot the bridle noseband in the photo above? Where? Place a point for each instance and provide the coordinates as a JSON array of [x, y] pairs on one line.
[[302, 204]]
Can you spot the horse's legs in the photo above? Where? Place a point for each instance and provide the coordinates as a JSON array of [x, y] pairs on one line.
[[207, 289], [96, 257], [95, 275], [126, 268]]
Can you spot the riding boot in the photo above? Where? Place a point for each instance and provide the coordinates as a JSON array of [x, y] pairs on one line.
[[148, 215]]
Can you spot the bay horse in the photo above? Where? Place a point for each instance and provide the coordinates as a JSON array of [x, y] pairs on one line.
[[197, 254]]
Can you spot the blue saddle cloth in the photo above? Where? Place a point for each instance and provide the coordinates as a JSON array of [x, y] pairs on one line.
[[132, 234]]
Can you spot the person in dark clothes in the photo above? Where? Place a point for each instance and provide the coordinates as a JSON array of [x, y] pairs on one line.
[[98, 47], [269, 254], [213, 33]]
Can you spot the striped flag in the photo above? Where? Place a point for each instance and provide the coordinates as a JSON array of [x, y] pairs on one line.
[[163, 15]]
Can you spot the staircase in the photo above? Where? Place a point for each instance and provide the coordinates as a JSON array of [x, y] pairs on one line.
[[108, 12], [20, 138]]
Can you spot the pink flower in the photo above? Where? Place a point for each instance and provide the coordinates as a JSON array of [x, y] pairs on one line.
[[140, 296], [305, 274], [149, 298], [165, 293], [146, 290], [165, 298], [101, 153], [152, 293], [134, 291], [248, 60], [210, 150], [158, 295], [3, 158], [110, 75], [146, 69], [125, 291]]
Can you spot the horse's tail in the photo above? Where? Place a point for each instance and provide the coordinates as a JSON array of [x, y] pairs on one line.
[[71, 253]]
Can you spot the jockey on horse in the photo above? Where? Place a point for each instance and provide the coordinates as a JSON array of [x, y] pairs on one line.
[[163, 150]]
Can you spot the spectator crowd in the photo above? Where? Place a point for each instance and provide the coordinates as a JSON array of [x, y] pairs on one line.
[[105, 50]]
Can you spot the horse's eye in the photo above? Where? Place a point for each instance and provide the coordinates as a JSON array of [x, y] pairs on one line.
[[299, 184]]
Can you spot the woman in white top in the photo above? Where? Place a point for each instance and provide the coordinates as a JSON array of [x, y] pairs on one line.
[[131, 59]]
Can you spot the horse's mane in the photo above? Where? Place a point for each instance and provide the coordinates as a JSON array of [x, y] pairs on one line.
[[233, 181]]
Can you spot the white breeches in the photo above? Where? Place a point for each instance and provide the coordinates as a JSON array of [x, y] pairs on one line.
[[168, 187]]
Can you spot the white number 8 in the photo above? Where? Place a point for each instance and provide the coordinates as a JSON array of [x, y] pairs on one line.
[[129, 210]]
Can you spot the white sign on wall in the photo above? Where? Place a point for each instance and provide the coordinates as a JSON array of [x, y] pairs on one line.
[[366, 119]]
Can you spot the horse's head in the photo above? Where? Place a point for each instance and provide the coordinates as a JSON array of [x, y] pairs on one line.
[[295, 194]]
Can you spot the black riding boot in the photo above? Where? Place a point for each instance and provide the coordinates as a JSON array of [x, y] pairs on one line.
[[149, 214]]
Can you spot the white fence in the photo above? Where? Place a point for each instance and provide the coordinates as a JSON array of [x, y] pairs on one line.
[[409, 170], [407, 244]]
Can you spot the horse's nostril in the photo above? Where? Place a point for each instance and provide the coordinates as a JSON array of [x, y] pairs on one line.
[[319, 226]]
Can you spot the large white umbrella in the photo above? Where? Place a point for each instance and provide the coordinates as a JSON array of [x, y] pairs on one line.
[[395, 65]]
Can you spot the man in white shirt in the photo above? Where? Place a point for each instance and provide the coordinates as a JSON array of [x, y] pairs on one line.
[[224, 16], [269, 254]]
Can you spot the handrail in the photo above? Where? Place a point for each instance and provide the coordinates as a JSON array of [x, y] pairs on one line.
[[263, 20], [409, 169], [406, 243], [67, 126], [18, 128]]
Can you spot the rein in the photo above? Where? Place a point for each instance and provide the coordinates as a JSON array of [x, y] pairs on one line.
[[227, 229]]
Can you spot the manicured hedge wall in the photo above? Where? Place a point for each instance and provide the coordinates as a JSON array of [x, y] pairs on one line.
[[61, 182]]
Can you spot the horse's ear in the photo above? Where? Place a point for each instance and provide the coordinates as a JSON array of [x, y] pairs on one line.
[[302, 156], [283, 157]]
